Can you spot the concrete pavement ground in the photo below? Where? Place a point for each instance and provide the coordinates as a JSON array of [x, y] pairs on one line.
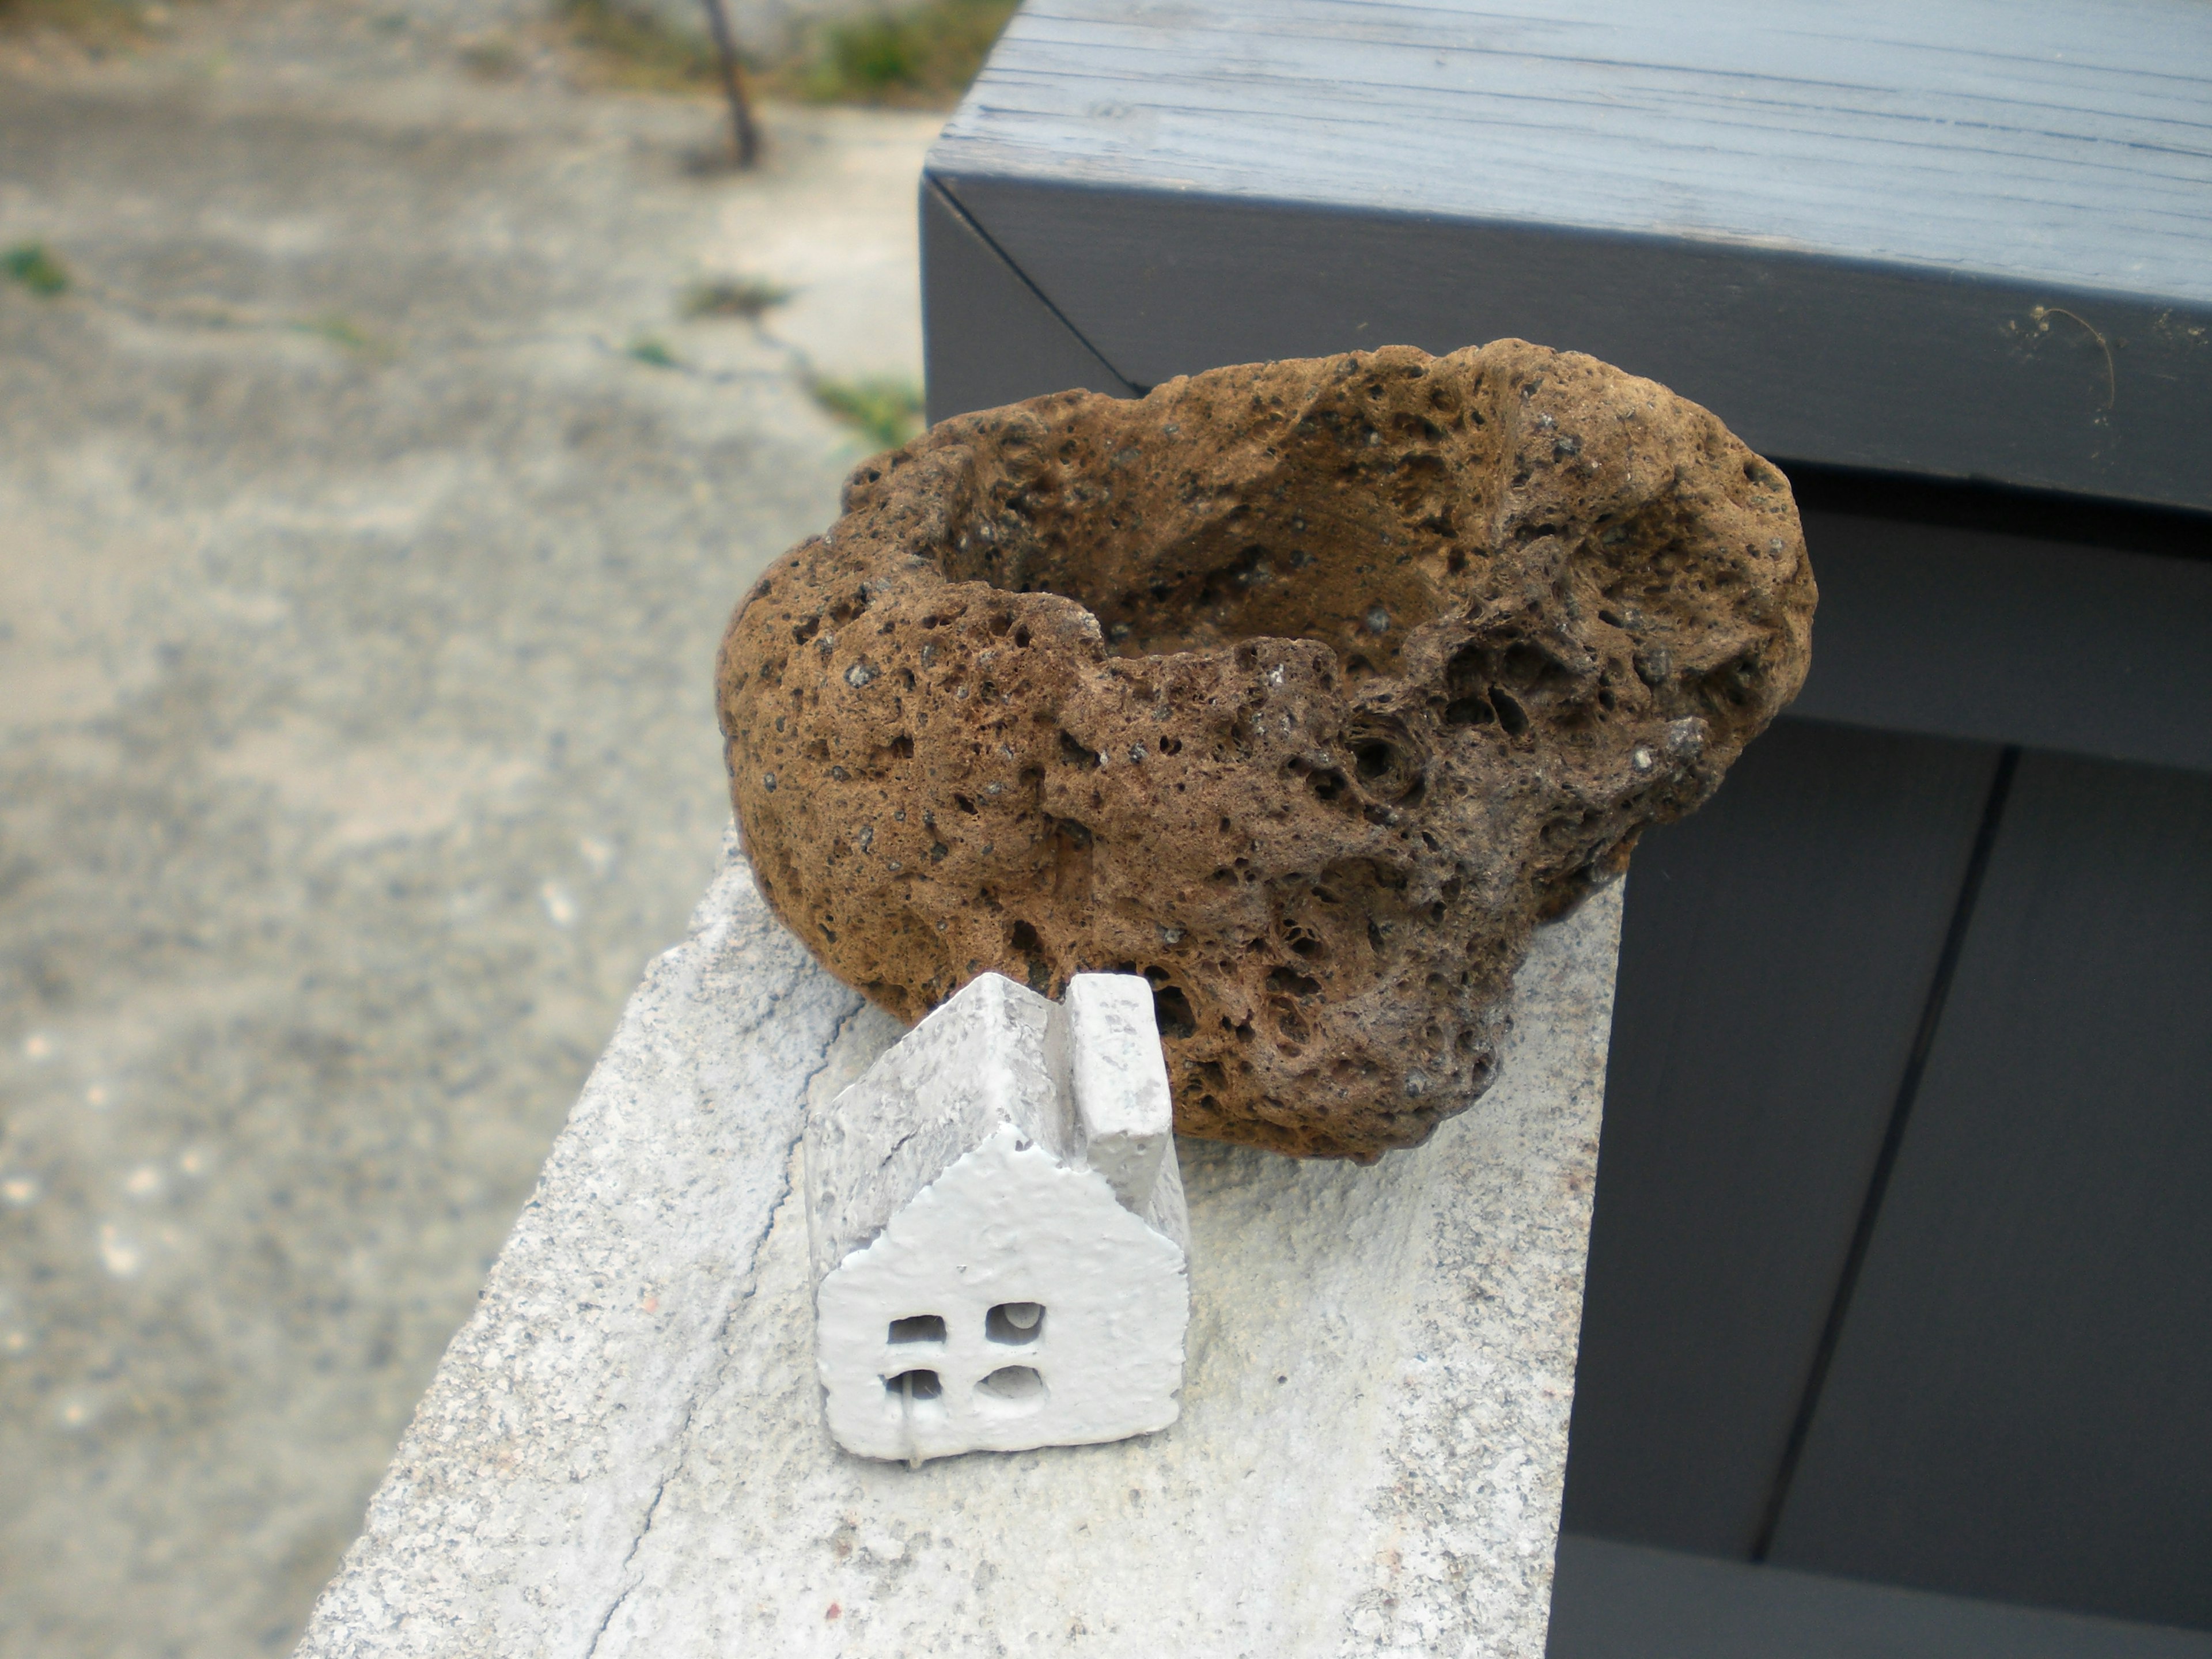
[[368, 512]]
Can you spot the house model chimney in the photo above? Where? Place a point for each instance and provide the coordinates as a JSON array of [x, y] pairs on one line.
[[999, 1243]]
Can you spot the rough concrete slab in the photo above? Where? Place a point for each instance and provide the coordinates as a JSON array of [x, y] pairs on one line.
[[625, 1454], [359, 593]]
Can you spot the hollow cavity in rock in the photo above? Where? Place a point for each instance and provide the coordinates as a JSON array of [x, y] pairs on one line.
[[1305, 689]]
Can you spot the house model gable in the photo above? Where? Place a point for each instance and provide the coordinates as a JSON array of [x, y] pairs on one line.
[[999, 1234]]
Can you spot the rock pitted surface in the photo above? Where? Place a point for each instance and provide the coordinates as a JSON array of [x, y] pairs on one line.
[[1306, 690]]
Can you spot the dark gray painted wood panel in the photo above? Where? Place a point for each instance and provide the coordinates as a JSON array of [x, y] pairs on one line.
[[1776, 953], [2062, 146], [1843, 363], [988, 337], [1974, 633], [2021, 1403], [1619, 1601]]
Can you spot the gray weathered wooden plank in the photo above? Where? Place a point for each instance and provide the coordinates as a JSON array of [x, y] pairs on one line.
[[2070, 146], [1945, 241], [2021, 1405]]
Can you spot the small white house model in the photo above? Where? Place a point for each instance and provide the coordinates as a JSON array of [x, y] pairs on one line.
[[999, 1243]]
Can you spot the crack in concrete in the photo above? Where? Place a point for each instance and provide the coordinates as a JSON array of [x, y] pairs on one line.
[[712, 1379]]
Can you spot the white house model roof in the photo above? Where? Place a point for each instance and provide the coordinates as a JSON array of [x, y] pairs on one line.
[[997, 1224]]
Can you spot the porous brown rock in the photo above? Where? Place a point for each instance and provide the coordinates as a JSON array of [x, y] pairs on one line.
[[1306, 690]]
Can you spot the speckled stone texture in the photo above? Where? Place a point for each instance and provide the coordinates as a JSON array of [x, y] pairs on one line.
[[1305, 689], [623, 1453]]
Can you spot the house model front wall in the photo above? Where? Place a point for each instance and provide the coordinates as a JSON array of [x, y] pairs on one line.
[[999, 1231], [1008, 1227]]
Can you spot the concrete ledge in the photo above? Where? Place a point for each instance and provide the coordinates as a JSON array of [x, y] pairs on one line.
[[624, 1452]]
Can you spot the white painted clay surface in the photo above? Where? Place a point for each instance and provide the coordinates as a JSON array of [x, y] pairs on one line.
[[625, 1454], [1006, 1226], [975, 1066], [1119, 1081], [1016, 1299]]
